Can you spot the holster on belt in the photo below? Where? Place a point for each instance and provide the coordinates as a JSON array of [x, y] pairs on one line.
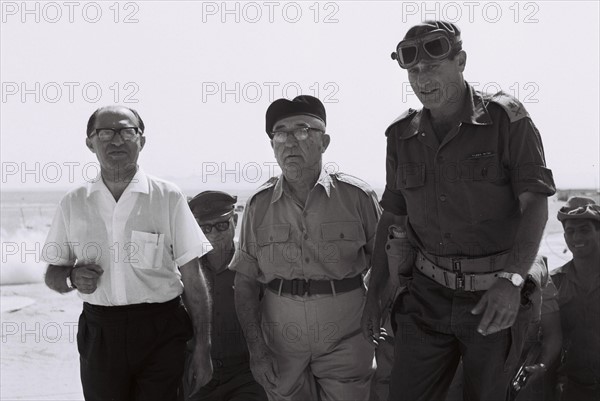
[[400, 254]]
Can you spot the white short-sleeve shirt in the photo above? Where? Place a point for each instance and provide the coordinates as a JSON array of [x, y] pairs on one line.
[[138, 241]]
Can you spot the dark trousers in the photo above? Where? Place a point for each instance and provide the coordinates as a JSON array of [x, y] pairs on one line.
[[232, 380], [434, 328], [133, 352]]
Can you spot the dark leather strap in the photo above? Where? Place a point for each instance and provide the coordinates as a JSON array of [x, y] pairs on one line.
[[314, 287]]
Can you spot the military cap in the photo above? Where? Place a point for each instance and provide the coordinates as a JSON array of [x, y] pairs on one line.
[[579, 207], [212, 204], [300, 105]]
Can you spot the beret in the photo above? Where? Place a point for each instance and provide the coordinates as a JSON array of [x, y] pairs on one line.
[[579, 207], [212, 204], [300, 105]]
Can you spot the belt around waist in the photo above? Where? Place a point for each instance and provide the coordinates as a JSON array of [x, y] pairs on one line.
[[455, 279], [485, 264], [143, 308], [314, 287]]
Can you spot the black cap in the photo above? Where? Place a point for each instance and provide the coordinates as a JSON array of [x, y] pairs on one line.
[[301, 105], [212, 204]]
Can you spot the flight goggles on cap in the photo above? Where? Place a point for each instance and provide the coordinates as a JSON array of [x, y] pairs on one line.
[[434, 45]]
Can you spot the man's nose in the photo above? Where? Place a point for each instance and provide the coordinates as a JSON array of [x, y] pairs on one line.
[[117, 139]]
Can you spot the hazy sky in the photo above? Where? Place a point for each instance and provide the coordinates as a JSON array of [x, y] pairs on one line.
[[202, 74]]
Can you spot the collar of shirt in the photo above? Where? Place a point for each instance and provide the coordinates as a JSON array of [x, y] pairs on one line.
[[324, 180], [473, 112], [139, 183]]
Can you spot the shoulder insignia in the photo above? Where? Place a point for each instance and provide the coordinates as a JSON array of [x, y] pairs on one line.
[[270, 183], [511, 105], [407, 114], [356, 182]]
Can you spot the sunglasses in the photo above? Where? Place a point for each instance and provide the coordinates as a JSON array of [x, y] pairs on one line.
[[434, 45], [220, 226]]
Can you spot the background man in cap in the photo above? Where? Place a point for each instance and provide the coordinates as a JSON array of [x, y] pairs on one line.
[[308, 236], [119, 241], [578, 284], [232, 378], [466, 179]]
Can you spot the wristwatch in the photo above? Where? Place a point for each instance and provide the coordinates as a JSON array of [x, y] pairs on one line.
[[69, 282], [514, 278]]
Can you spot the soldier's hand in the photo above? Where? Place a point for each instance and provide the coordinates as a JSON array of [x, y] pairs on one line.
[[500, 305], [85, 277], [200, 371], [371, 320], [264, 367]]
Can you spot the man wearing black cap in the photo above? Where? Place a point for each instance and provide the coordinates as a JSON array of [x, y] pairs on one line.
[[232, 379], [308, 236], [578, 284], [467, 183]]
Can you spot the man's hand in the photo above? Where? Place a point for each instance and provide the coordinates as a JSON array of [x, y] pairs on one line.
[[85, 277], [500, 305], [371, 320], [264, 367], [200, 370]]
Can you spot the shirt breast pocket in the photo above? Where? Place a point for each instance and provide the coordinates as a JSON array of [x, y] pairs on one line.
[[147, 250], [410, 179], [273, 246], [341, 240]]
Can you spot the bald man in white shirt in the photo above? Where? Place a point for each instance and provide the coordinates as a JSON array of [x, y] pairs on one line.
[[129, 244]]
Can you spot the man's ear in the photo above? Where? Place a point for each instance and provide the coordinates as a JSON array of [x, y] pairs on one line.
[[235, 219], [325, 140], [462, 60], [90, 145], [142, 141]]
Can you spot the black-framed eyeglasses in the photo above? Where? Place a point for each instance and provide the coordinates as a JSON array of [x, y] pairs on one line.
[[107, 134], [301, 134], [220, 226]]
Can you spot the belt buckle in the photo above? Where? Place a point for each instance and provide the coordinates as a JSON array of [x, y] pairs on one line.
[[460, 281], [460, 277], [300, 287]]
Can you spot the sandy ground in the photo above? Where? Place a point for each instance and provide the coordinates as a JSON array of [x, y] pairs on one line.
[[39, 348]]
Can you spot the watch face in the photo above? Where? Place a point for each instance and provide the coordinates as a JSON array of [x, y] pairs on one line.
[[517, 279]]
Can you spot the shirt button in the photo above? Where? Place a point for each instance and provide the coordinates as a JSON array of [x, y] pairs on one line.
[[307, 260], [443, 198], [341, 235], [271, 238], [305, 236], [422, 134]]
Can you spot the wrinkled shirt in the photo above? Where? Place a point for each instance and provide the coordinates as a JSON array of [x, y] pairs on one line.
[[139, 240], [461, 196], [329, 238]]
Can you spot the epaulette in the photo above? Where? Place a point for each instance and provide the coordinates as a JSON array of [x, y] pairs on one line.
[[268, 184], [408, 113], [355, 181], [513, 107], [404, 116]]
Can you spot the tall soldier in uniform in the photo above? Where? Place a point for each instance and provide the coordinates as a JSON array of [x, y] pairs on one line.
[[467, 188], [232, 379], [308, 236]]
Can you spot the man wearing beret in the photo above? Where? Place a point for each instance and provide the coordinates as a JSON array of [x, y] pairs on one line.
[[128, 244], [232, 379], [307, 235], [578, 284], [467, 185]]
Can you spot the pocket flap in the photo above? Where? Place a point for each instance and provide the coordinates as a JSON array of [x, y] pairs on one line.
[[411, 175], [346, 230], [273, 233]]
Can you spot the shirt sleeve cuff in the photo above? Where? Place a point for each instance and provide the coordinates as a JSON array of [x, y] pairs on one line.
[[196, 252], [244, 263]]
